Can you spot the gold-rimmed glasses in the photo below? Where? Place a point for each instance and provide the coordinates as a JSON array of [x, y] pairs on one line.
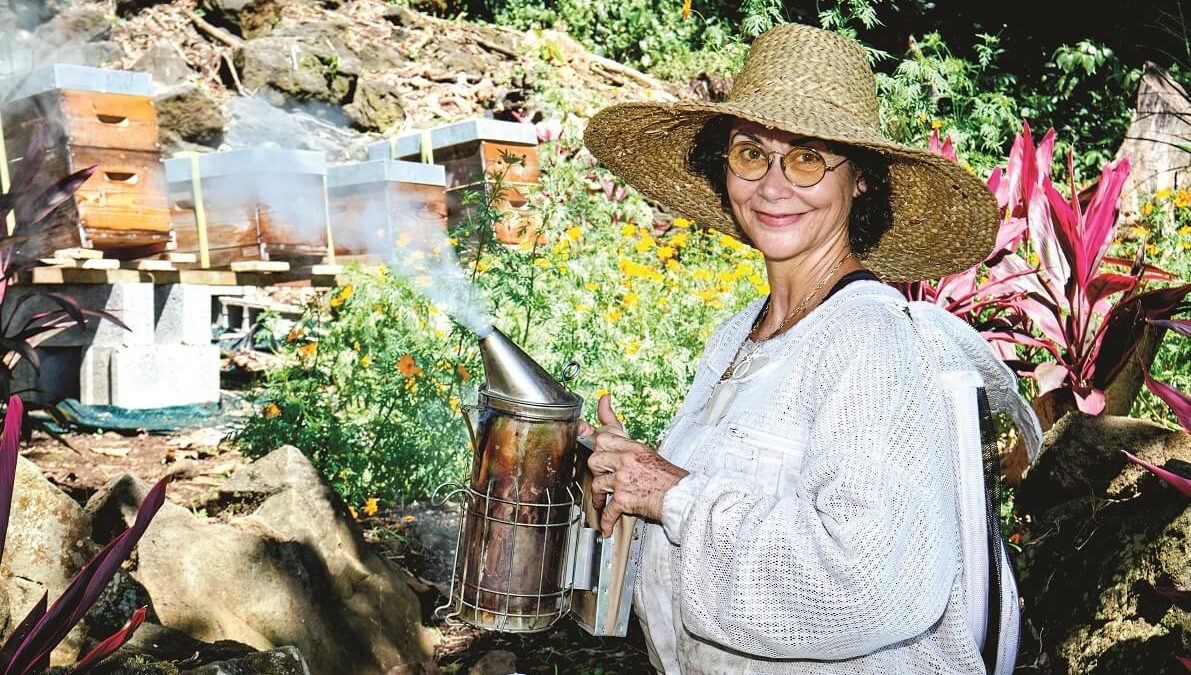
[[802, 166]]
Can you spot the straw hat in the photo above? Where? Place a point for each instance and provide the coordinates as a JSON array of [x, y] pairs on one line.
[[814, 83]]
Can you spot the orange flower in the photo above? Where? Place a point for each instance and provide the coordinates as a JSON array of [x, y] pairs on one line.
[[271, 410], [371, 506], [461, 370], [295, 334], [308, 350], [408, 366], [686, 9]]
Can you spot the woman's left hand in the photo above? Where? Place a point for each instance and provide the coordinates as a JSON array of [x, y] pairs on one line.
[[631, 474]]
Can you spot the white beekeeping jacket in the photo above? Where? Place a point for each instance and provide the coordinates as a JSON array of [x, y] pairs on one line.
[[834, 519]]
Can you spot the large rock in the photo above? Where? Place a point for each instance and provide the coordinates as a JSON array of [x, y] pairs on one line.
[[166, 63], [48, 541], [292, 572], [1107, 550], [300, 61], [249, 18], [188, 112], [376, 105]]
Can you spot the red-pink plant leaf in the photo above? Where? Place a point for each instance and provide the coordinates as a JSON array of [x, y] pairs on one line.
[[1089, 401], [945, 149], [1050, 376], [1103, 286], [999, 187], [1185, 661], [1179, 402], [10, 443], [1100, 220], [1009, 235], [1180, 326], [111, 644], [85, 587], [1181, 484], [1147, 272]]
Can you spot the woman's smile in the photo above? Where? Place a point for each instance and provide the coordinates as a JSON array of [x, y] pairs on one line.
[[777, 219]]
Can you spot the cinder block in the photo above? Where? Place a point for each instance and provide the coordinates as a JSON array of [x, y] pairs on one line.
[[153, 376], [159, 376], [184, 314], [131, 302]]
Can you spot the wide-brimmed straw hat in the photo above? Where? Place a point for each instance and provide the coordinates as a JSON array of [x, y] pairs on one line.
[[814, 83]]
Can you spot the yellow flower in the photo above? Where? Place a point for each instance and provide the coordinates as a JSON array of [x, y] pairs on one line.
[[686, 9], [644, 244], [454, 403], [628, 230], [371, 506], [1151, 250], [630, 300], [1162, 194], [408, 366], [591, 287], [1147, 209], [408, 518], [701, 275], [352, 510], [1138, 231], [1185, 230], [727, 276], [632, 347], [365, 361], [599, 394], [665, 252], [936, 124], [342, 296], [613, 315], [308, 350], [681, 239], [481, 266], [573, 233], [922, 117], [356, 346], [542, 263], [271, 410], [1182, 198], [633, 269], [583, 308], [672, 264], [682, 222]]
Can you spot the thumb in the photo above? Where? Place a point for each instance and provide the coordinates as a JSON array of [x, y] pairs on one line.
[[606, 414]]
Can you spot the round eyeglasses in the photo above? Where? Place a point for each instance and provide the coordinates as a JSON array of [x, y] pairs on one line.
[[804, 167]]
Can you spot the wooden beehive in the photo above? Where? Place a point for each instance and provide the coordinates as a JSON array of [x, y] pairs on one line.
[[93, 116], [257, 204], [472, 153], [374, 203]]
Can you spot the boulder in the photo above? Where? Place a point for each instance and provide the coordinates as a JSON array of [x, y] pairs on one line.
[[281, 661], [376, 105], [249, 18], [300, 61], [48, 541], [79, 35], [188, 112], [167, 65], [294, 571], [1107, 550]]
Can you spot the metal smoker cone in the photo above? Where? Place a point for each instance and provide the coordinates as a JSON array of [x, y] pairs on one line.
[[520, 384]]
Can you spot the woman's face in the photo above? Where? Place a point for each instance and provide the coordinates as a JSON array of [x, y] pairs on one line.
[[784, 221]]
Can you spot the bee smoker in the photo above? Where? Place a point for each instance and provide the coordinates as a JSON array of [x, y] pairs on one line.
[[529, 550]]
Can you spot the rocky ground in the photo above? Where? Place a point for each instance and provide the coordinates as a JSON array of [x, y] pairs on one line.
[[419, 539]]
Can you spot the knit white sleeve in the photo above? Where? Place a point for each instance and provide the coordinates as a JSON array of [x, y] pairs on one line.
[[860, 556]]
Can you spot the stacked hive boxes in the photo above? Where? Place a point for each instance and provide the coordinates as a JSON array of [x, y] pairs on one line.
[[375, 204], [474, 154], [92, 116], [252, 204]]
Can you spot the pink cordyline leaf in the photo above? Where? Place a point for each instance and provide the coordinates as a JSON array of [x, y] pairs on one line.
[[1185, 661], [1103, 286], [10, 443], [946, 149], [111, 644], [18, 636], [1181, 484], [1009, 235], [1100, 221], [1050, 376], [1089, 401], [1179, 402], [1180, 326]]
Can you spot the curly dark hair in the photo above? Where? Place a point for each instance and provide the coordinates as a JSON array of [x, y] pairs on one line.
[[872, 213]]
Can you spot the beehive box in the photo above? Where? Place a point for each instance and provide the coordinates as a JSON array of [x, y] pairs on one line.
[[93, 116], [375, 203], [257, 204], [472, 154]]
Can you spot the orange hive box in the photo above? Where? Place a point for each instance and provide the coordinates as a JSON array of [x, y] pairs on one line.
[[93, 116], [472, 153], [256, 204]]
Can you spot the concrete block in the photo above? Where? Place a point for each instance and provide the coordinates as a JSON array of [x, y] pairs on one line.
[[184, 314], [159, 376], [132, 303], [153, 376]]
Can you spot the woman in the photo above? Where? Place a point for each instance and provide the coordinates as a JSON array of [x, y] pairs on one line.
[[817, 505]]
